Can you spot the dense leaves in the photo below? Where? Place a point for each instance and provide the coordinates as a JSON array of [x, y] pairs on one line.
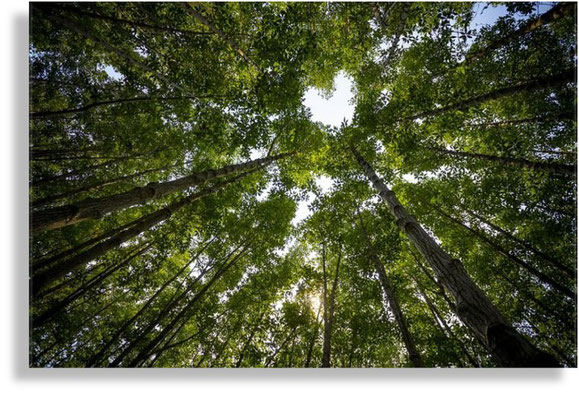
[[160, 240]]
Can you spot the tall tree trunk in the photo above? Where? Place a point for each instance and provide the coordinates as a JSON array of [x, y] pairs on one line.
[[248, 341], [63, 176], [87, 107], [54, 273], [535, 84], [99, 278], [554, 168], [556, 263], [399, 31], [446, 330], [313, 340], [115, 337], [39, 265], [507, 346], [281, 347], [413, 353], [532, 270], [185, 311], [94, 208], [555, 13], [93, 186], [568, 115], [171, 306], [329, 310]]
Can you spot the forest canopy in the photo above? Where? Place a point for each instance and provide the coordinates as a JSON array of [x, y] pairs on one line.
[[171, 150]]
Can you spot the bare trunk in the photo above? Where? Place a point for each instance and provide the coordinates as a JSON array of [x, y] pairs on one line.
[[329, 311], [539, 83], [553, 168], [507, 346], [413, 353], [532, 270], [94, 208], [51, 199], [145, 223], [556, 263], [555, 13]]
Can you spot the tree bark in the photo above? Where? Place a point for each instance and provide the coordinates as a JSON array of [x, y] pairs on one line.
[[507, 346], [555, 13], [94, 208], [535, 84], [446, 330], [115, 337], [556, 263], [51, 274], [401, 321], [329, 310], [51, 199], [532, 270], [553, 168]]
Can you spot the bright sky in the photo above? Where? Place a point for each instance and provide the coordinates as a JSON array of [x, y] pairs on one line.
[[335, 109]]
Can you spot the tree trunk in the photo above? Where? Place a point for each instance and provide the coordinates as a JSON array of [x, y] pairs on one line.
[[329, 310], [115, 337], [94, 208], [281, 347], [93, 186], [63, 176], [145, 223], [535, 84], [532, 270], [61, 305], [313, 341], [87, 107], [399, 31], [446, 330], [185, 311], [534, 119], [553, 168], [413, 353], [556, 263], [171, 305], [507, 346], [555, 13]]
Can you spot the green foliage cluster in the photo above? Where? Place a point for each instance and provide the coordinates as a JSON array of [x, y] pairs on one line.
[[481, 150]]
